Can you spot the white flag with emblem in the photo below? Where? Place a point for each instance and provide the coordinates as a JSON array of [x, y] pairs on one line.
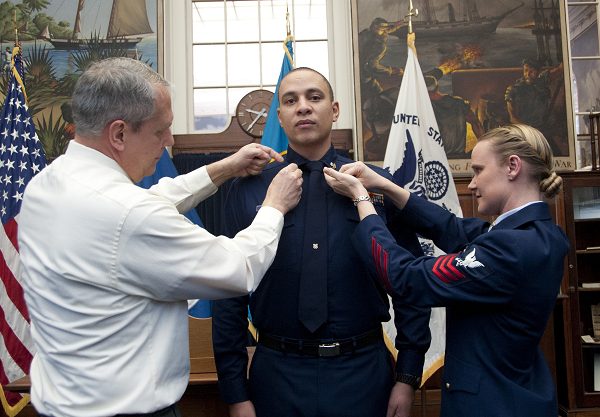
[[416, 158]]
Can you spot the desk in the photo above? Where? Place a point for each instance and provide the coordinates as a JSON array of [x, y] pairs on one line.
[[201, 398]]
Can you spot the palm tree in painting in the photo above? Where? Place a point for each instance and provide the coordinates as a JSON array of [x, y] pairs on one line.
[[36, 5]]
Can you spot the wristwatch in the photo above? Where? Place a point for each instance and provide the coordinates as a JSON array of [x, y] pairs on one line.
[[361, 198], [413, 381]]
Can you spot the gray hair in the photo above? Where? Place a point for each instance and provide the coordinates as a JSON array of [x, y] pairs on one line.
[[114, 89]]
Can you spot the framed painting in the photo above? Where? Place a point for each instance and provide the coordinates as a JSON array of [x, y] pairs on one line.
[[60, 38], [485, 64]]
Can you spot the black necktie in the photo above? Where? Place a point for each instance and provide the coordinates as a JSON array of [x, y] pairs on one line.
[[312, 297]]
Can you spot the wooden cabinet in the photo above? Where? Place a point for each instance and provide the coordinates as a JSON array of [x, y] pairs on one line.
[[581, 372]]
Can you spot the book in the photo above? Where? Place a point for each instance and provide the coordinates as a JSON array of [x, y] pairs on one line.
[[596, 319], [597, 372], [586, 338]]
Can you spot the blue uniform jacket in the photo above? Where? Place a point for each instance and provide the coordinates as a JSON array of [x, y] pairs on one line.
[[356, 304], [499, 288]]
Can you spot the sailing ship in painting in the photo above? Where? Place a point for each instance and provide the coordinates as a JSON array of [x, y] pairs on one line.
[[467, 22], [471, 53], [128, 18]]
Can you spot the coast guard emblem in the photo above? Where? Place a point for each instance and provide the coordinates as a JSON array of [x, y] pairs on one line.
[[437, 180], [469, 261]]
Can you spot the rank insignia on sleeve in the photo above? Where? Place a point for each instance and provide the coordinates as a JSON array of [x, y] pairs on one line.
[[376, 198], [455, 267], [444, 269]]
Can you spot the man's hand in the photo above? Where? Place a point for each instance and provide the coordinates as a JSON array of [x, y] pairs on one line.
[[243, 409], [285, 190], [249, 160], [401, 399]]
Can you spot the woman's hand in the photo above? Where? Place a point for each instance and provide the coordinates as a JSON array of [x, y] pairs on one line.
[[369, 178], [344, 184]]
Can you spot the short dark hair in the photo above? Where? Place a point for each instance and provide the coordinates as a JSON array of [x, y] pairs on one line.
[[329, 88], [378, 21], [533, 63]]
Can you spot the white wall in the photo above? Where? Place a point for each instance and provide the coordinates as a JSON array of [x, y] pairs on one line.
[[178, 61]]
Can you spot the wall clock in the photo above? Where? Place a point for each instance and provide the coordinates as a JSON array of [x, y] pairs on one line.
[[252, 111]]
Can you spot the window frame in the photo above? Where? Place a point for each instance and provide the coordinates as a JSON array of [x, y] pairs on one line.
[[230, 106]]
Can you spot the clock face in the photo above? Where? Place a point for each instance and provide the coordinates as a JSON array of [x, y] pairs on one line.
[[252, 111]]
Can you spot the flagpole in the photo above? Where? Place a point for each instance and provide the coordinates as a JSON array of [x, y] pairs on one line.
[[410, 37], [288, 27], [15, 24], [411, 12]]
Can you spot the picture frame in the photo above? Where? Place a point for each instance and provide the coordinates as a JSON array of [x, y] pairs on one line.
[[55, 53], [475, 53]]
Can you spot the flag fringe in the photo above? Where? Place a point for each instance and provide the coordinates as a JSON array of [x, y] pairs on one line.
[[16, 74], [433, 368], [12, 411], [252, 330], [390, 345], [287, 51]]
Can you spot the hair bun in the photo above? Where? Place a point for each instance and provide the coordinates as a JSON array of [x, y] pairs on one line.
[[550, 186]]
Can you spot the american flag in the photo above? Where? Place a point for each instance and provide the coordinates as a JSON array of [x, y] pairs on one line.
[[21, 157]]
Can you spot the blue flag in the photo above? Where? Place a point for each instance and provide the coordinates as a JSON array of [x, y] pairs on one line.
[[165, 168], [273, 135]]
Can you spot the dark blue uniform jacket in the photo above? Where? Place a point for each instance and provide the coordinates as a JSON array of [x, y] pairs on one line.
[[499, 288], [356, 303]]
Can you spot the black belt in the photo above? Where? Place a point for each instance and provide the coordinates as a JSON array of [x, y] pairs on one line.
[[170, 411], [320, 347]]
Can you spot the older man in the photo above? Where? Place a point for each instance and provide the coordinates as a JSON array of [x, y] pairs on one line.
[[107, 266]]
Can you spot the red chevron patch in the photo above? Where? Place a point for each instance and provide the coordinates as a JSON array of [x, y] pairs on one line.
[[444, 269], [380, 258]]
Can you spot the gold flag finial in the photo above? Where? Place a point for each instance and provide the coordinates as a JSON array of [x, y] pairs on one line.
[[411, 12], [287, 21]]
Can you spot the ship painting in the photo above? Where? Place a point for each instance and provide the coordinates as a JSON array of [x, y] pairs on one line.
[[128, 19], [468, 22]]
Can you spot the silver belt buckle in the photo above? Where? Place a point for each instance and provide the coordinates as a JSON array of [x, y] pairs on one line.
[[329, 349]]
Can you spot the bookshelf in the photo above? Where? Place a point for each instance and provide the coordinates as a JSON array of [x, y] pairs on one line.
[[582, 318]]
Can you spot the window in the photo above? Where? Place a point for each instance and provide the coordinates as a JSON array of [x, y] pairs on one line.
[[238, 47], [585, 70]]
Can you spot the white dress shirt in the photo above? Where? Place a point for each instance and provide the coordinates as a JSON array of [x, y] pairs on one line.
[[107, 268]]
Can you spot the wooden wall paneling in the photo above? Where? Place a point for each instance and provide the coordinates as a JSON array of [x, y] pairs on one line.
[[233, 138]]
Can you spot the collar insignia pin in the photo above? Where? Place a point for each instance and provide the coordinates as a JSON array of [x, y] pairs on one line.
[[315, 246]]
